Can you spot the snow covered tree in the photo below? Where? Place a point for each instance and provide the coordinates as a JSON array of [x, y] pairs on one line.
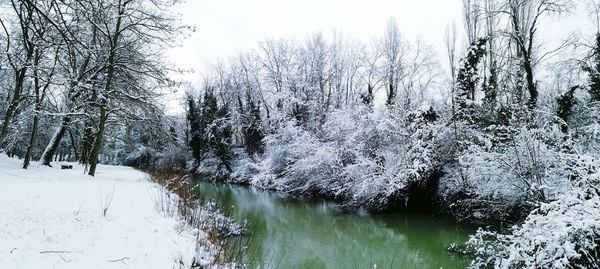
[[565, 103], [220, 137], [195, 133], [252, 130], [593, 71], [210, 132], [20, 57], [524, 18], [393, 52], [560, 234], [466, 81]]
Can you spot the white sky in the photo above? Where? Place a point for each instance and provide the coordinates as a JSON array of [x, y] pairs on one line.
[[226, 27]]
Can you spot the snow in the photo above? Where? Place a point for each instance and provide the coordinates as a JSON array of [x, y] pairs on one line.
[[560, 234], [53, 218]]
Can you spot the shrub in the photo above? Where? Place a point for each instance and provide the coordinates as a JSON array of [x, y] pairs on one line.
[[561, 234]]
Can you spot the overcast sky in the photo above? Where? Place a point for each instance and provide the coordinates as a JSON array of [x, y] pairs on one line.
[[226, 27]]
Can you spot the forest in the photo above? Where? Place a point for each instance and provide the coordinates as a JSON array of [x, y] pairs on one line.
[[502, 131]]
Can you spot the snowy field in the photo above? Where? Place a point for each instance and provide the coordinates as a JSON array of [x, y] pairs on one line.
[[53, 218]]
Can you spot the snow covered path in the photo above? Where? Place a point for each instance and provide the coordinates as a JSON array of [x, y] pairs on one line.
[[53, 218]]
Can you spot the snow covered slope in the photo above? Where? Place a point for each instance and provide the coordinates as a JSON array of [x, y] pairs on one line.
[[53, 218]]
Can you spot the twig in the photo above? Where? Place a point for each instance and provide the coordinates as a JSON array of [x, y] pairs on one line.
[[55, 251], [12, 250], [119, 260], [65, 260]]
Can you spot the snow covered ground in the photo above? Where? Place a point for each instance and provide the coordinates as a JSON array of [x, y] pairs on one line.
[[53, 218]]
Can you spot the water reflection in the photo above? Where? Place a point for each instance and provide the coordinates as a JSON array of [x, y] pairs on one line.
[[287, 233]]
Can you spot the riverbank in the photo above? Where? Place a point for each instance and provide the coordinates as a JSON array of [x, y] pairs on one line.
[[65, 219]]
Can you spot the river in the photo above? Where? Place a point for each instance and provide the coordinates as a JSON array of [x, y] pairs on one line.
[[290, 233]]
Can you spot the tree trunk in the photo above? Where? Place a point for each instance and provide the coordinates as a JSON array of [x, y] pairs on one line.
[[73, 146], [32, 137], [533, 93], [14, 103], [86, 142], [391, 98], [95, 151], [110, 72], [55, 141]]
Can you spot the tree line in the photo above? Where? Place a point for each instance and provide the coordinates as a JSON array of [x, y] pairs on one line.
[[85, 69]]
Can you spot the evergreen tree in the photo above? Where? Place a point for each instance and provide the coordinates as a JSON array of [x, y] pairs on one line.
[[210, 129], [220, 139], [466, 81], [430, 115], [565, 103], [594, 72], [368, 97], [196, 135], [253, 135], [490, 89], [210, 107]]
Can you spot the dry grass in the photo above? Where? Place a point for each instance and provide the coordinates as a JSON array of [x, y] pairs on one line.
[[213, 228]]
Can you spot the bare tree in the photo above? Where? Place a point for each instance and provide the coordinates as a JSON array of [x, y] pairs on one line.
[[20, 56], [370, 75], [394, 51], [524, 17], [472, 19], [419, 73]]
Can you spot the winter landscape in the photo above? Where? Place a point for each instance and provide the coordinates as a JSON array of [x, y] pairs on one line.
[[300, 134]]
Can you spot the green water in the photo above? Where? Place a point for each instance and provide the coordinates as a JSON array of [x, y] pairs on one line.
[[287, 233]]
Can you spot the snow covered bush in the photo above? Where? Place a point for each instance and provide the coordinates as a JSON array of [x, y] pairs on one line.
[[299, 161], [171, 157], [561, 234], [211, 168], [244, 167], [502, 181], [406, 156], [359, 157]]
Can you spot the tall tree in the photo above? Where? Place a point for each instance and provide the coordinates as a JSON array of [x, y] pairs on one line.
[[394, 50], [253, 134], [134, 31], [524, 17], [593, 70], [20, 56], [467, 79]]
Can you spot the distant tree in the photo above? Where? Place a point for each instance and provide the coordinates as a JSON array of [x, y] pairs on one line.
[[490, 89], [370, 58], [472, 19], [491, 77], [41, 86]]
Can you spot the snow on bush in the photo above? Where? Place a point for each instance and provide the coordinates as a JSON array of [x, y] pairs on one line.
[[360, 157], [170, 158], [495, 180], [561, 234]]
